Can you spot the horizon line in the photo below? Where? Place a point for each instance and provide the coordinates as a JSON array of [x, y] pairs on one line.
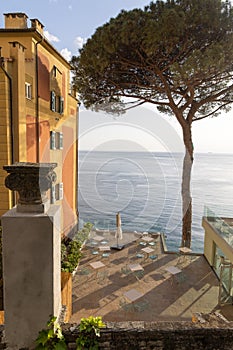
[[151, 151]]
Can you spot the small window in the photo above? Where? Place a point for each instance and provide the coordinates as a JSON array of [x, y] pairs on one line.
[[53, 194], [59, 191], [52, 140], [53, 101], [54, 71], [59, 140], [61, 105], [28, 91]]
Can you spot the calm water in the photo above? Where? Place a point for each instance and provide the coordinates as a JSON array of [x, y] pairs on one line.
[[145, 188]]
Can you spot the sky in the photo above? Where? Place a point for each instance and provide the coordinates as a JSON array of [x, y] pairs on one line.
[[67, 25]]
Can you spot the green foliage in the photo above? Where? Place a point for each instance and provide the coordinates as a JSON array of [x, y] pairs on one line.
[[176, 54], [71, 255], [51, 338], [71, 249], [89, 330], [83, 234]]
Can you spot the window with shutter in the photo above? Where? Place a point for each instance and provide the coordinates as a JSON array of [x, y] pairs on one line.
[[60, 140], [61, 105], [28, 91], [52, 140], [53, 101]]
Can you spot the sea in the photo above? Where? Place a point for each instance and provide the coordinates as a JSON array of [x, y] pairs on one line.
[[145, 188]]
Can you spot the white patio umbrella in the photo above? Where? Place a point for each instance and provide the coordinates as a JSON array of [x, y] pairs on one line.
[[118, 234]]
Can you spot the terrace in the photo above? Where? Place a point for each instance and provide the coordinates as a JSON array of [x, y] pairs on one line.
[[138, 284]]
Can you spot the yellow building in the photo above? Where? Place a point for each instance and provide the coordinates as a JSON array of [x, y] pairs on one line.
[[38, 112]]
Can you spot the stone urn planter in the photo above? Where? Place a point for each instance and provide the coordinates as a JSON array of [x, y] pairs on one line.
[[31, 181]]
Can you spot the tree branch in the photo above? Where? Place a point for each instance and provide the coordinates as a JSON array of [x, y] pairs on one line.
[[213, 112]]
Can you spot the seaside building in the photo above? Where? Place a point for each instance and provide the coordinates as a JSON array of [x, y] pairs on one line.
[[38, 111], [218, 251]]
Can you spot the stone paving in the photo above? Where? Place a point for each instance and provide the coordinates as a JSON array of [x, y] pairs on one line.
[[165, 287]]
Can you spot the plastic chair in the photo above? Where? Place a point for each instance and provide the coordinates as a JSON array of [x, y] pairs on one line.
[[179, 278], [126, 306], [125, 270], [139, 274], [153, 257], [102, 277], [141, 305]]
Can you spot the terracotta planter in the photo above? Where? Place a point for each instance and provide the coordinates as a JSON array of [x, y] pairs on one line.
[[66, 294]]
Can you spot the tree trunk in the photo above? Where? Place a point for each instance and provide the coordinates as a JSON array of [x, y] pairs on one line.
[[186, 193]]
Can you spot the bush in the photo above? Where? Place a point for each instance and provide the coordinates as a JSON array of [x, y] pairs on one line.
[[71, 249], [71, 255], [89, 331]]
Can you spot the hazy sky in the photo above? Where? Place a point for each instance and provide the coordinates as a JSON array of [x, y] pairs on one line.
[[68, 23]]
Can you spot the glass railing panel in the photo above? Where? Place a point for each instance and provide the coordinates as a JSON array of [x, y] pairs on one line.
[[223, 226]]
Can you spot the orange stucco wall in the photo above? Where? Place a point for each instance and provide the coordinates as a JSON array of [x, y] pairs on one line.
[[44, 78], [44, 135], [67, 172]]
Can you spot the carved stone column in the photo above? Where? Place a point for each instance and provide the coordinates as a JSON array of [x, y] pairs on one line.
[[31, 181], [31, 254]]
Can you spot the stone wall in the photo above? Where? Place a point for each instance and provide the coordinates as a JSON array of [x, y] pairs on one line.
[[161, 336], [156, 336], [2, 344]]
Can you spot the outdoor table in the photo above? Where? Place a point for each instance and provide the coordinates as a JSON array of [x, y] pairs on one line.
[[183, 251], [98, 238], [133, 295], [173, 271], [135, 267], [104, 248], [147, 250], [147, 239], [145, 233], [132, 303], [137, 270], [96, 265], [104, 242]]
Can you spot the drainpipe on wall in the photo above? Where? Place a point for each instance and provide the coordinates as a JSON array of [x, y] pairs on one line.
[[37, 106], [77, 167], [11, 119]]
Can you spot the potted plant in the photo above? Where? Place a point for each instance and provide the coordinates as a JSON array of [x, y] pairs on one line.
[[70, 257]]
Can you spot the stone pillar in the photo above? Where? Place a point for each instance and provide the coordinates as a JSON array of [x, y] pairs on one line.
[[31, 254]]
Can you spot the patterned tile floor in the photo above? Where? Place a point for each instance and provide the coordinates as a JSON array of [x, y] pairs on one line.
[[161, 295]]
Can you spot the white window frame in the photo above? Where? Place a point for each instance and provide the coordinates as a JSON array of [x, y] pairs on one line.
[[61, 105], [52, 140], [53, 101], [59, 140], [28, 91], [53, 194]]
